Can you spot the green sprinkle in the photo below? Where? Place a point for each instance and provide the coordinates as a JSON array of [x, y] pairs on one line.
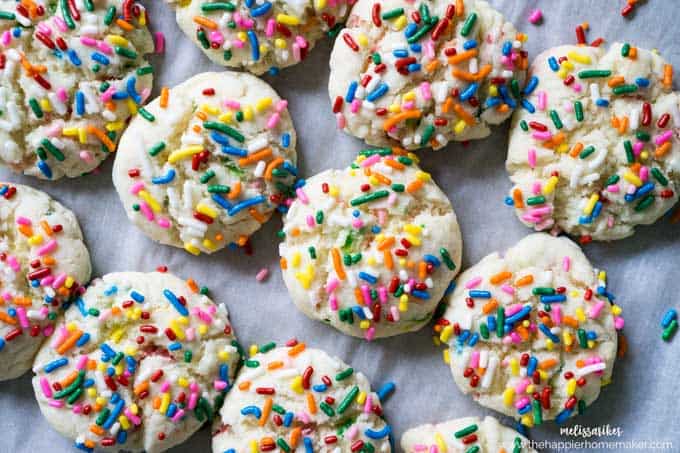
[[75, 395], [227, 55], [312, 252], [283, 445], [203, 291], [278, 409], [419, 34], [500, 322], [239, 116], [628, 146], [6, 15], [345, 315], [104, 86], [424, 12], [344, 374], [539, 199], [93, 312], [625, 49], [56, 152], [146, 115], [218, 6], [231, 132], [136, 207], [538, 413], [144, 70], [468, 24], [351, 395], [216, 188], [103, 415], [645, 203], [514, 88], [625, 89], [427, 134], [117, 358], [659, 176], [89, 5], [203, 38], [327, 409], [37, 111], [405, 160], [252, 363], [66, 12], [613, 179], [578, 110], [369, 197], [473, 449], [556, 119], [669, 331], [542, 291], [266, 347], [643, 136], [376, 58], [391, 14], [398, 187], [581, 407], [110, 14], [125, 52], [587, 151], [523, 124], [71, 388], [446, 257], [594, 73], [188, 356], [582, 340], [157, 148], [465, 431], [319, 217], [484, 330]]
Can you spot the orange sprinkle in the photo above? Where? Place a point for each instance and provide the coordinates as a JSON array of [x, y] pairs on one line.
[[422, 270], [101, 135], [297, 349], [414, 186], [460, 8], [295, 435], [431, 66], [462, 56], [382, 178], [255, 157], [141, 387], [526, 280], [235, 191], [266, 410], [156, 402], [517, 198], [46, 228], [663, 149], [463, 114], [570, 321], [255, 214], [337, 264], [616, 81], [448, 105], [490, 306], [70, 341], [311, 404], [386, 243], [191, 283], [275, 365], [283, 263], [387, 258], [48, 260], [96, 429], [245, 385], [358, 296], [127, 26], [4, 317], [500, 277], [668, 76], [394, 164], [242, 240], [547, 363], [576, 150], [207, 23], [399, 117], [165, 95], [623, 125], [470, 77], [25, 230], [632, 53], [271, 166]]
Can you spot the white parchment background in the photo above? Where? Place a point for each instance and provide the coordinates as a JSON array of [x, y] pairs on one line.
[[644, 271]]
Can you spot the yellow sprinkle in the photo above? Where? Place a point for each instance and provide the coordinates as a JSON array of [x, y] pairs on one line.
[[202, 329], [92, 392], [362, 40], [549, 345], [413, 229], [263, 104], [295, 260], [207, 243], [365, 324], [223, 356], [528, 421], [150, 200], [591, 204], [69, 131], [320, 4], [568, 65], [242, 36], [132, 107], [119, 369], [441, 444], [549, 186], [207, 210], [400, 22], [530, 389], [403, 303], [394, 108], [226, 117], [184, 153], [616, 310], [252, 350], [191, 248], [134, 409], [459, 127], [361, 398], [280, 43], [567, 338], [117, 40], [563, 73], [253, 447], [579, 57], [371, 261], [36, 239], [423, 176], [124, 422], [571, 386], [287, 19], [446, 355], [100, 401], [45, 105], [165, 402], [210, 109], [247, 113], [508, 396], [514, 366], [410, 96], [580, 315], [493, 90], [129, 350], [446, 334], [632, 178], [117, 334], [296, 385], [183, 382], [69, 282]]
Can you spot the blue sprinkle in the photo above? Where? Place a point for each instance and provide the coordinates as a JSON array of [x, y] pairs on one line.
[[420, 294], [357, 310], [309, 445], [219, 138], [88, 383], [507, 48], [250, 3], [642, 82], [132, 91], [288, 419], [16, 32], [114, 414], [285, 139], [108, 352], [470, 44], [121, 437], [416, 47], [450, 288], [175, 302], [119, 96], [509, 201], [80, 103], [493, 102], [261, 10], [2, 344], [546, 330], [597, 210], [432, 260], [137, 297], [174, 346], [290, 168], [378, 92], [274, 71], [232, 150], [602, 103], [385, 391], [528, 106], [507, 98], [356, 213], [400, 53], [479, 294], [552, 62], [413, 67], [531, 367], [591, 335], [469, 91], [368, 277], [474, 338], [165, 179], [224, 372], [381, 434], [554, 298], [82, 447], [55, 364], [238, 207], [351, 91], [217, 198], [254, 45], [375, 229], [510, 320], [73, 56], [531, 85], [172, 408], [491, 322], [585, 220], [410, 30], [300, 183], [320, 388], [464, 335], [111, 290], [82, 341], [100, 58], [251, 410], [563, 416], [524, 409], [668, 318]]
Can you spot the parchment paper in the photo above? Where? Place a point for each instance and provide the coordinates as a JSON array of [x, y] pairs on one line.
[[644, 271]]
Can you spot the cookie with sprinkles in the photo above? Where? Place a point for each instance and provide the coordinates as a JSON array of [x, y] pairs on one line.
[[259, 35], [43, 262], [140, 363], [295, 398], [425, 73], [72, 73], [469, 435], [371, 249], [532, 333], [595, 151], [213, 167]]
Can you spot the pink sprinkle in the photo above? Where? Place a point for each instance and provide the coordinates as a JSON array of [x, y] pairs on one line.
[[473, 283], [262, 274], [332, 285], [82, 362], [556, 314], [85, 156], [507, 289], [370, 160], [310, 221], [146, 210], [536, 16], [159, 42], [193, 399], [531, 157], [395, 313], [370, 333], [45, 386], [619, 322], [333, 302], [474, 359], [59, 281], [21, 220], [165, 386], [382, 294], [542, 100], [281, 105], [47, 248], [269, 30], [566, 263], [59, 23], [163, 222], [538, 135], [234, 105], [6, 38], [178, 415], [105, 47], [55, 403], [663, 138], [301, 41], [297, 56], [219, 385], [302, 196], [273, 121], [595, 310], [87, 41], [366, 292], [425, 91]]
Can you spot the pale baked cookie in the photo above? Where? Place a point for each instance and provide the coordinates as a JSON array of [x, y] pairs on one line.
[[469, 435], [72, 72], [43, 263], [258, 35], [425, 73], [139, 364], [213, 167], [295, 398], [371, 249], [595, 152], [532, 333]]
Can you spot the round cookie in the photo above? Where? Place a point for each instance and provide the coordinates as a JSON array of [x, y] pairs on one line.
[[469, 434], [425, 73], [259, 36], [596, 152], [72, 73], [213, 167], [532, 333], [370, 250], [43, 262], [296, 398], [139, 364]]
